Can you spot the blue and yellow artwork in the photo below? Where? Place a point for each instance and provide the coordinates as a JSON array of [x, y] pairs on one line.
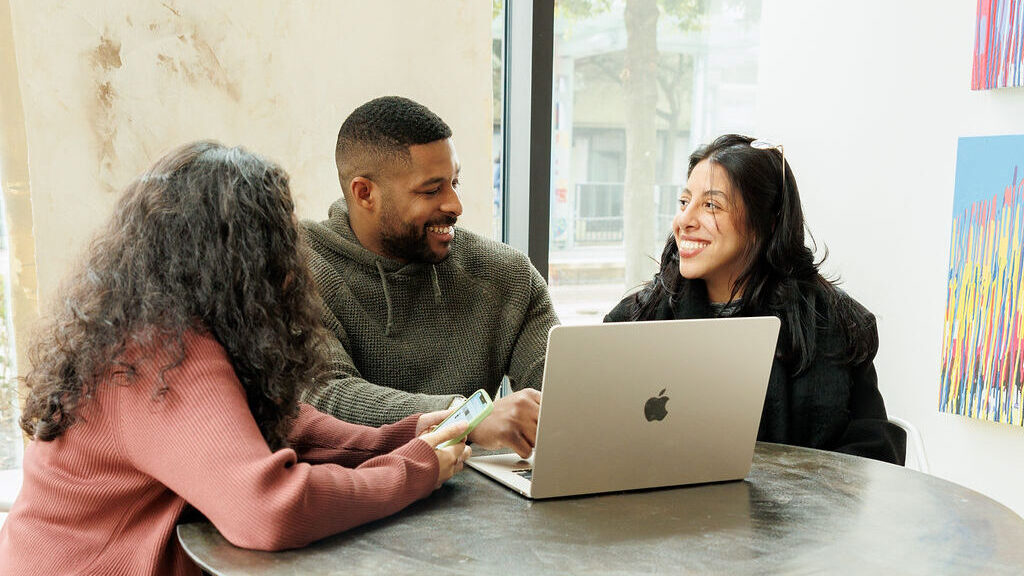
[[983, 344]]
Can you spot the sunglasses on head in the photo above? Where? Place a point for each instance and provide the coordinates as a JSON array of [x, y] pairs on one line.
[[762, 144]]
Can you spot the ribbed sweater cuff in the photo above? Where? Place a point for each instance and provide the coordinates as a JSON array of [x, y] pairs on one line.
[[421, 478], [399, 433]]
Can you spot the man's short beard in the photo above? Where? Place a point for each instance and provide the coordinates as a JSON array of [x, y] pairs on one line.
[[404, 241]]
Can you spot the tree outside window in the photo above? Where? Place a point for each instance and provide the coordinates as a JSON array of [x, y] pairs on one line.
[[638, 84]]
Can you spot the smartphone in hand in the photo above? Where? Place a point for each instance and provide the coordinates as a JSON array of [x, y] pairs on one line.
[[473, 410]]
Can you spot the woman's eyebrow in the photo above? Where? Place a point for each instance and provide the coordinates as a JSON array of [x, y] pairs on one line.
[[712, 192]]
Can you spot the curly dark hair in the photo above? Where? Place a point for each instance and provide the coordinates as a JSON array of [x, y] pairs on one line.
[[206, 241]]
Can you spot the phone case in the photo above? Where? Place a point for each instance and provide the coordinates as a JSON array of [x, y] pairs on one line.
[[488, 407]]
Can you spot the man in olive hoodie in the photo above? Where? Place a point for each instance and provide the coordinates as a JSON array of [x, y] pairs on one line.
[[422, 313]]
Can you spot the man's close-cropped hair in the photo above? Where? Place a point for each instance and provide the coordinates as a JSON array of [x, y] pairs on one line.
[[380, 132], [204, 241]]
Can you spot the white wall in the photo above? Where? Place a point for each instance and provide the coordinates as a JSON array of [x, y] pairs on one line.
[[869, 98]]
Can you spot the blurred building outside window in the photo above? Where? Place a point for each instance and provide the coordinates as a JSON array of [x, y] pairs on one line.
[[637, 86], [498, 90]]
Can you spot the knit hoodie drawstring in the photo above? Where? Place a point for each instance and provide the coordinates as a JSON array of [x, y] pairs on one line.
[[387, 298], [437, 284], [434, 281]]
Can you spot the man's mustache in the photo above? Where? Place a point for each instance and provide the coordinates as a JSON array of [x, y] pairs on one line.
[[446, 221]]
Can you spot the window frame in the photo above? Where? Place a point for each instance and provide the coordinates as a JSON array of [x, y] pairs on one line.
[[526, 128]]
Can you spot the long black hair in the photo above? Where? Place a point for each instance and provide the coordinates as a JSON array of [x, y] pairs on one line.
[[203, 241], [780, 276]]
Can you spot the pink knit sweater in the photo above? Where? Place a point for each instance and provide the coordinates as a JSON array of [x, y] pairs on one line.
[[104, 497]]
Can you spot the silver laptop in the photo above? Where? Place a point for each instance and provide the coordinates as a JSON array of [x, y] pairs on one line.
[[644, 404]]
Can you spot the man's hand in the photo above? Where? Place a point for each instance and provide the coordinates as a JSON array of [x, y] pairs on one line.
[[449, 459], [512, 423]]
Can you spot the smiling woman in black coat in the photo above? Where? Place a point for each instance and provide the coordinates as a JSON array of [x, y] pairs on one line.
[[737, 249]]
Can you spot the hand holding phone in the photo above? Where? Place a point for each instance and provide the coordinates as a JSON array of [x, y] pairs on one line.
[[472, 411], [449, 460]]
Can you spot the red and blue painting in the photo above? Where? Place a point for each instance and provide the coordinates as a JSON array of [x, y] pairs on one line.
[[983, 344], [998, 45]]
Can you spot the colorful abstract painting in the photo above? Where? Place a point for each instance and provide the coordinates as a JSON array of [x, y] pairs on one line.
[[983, 345], [998, 45]]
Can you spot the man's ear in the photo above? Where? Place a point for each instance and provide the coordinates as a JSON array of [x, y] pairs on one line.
[[364, 193]]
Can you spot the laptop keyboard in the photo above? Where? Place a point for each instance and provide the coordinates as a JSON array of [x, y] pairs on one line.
[[525, 473]]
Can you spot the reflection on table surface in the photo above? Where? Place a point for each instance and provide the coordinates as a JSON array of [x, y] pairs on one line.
[[799, 511]]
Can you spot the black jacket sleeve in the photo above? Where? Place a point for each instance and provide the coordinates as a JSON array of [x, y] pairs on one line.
[[869, 432], [621, 312]]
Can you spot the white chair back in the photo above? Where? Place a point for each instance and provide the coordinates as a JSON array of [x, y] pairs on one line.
[[916, 457]]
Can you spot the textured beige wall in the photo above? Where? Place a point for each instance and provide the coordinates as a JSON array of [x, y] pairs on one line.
[[109, 86]]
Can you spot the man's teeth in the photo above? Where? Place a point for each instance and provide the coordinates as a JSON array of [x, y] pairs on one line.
[[441, 229], [690, 245]]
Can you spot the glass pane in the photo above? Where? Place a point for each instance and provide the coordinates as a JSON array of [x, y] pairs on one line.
[[498, 91], [638, 84], [10, 433]]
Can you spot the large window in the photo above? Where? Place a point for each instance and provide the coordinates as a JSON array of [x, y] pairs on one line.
[[10, 434], [498, 91], [637, 85]]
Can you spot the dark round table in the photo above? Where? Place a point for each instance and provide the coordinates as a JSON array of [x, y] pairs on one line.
[[800, 511]]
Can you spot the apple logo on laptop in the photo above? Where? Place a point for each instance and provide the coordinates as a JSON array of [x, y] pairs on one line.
[[655, 409]]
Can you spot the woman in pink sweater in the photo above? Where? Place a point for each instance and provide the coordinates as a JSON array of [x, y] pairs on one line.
[[169, 376]]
